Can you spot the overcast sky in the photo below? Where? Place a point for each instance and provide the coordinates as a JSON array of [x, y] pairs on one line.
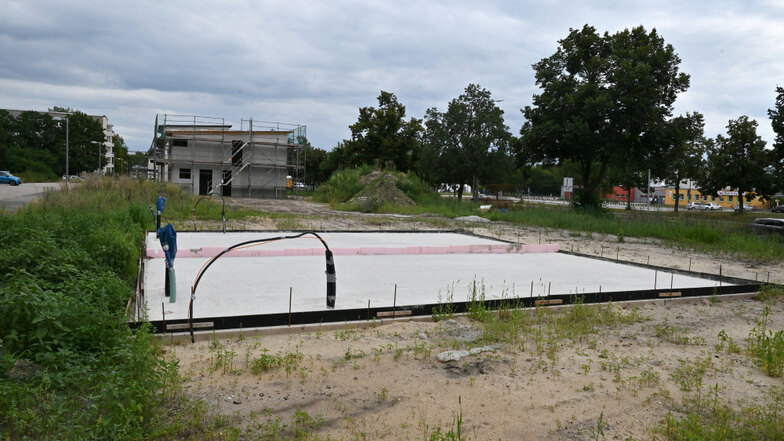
[[316, 63]]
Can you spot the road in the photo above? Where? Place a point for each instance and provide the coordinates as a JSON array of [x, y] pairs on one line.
[[12, 198]]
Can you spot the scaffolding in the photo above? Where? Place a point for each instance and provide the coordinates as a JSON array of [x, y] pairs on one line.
[[261, 159]]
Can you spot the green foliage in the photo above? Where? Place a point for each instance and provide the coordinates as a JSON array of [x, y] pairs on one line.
[[71, 367], [289, 361], [677, 336], [604, 99], [713, 420], [463, 141], [767, 347], [342, 185], [382, 137], [455, 433], [739, 161], [770, 292]]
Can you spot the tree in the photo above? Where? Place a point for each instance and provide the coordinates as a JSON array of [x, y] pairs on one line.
[[382, 135], [686, 146], [334, 161], [603, 101], [739, 161], [467, 137], [86, 142], [120, 155], [777, 121], [314, 157]]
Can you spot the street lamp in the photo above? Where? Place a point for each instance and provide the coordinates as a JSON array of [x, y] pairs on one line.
[[99, 155], [67, 133]]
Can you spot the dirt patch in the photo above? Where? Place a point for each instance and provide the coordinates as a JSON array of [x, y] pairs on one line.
[[385, 381], [380, 190]]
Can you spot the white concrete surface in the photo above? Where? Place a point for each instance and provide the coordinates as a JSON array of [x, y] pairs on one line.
[[258, 285]]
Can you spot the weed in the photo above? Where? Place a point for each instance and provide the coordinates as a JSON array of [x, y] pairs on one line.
[[676, 336], [453, 434], [445, 309], [599, 429], [689, 375], [724, 339], [768, 293], [766, 347], [349, 355], [289, 361]]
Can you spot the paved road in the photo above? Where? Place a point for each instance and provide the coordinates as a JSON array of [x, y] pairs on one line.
[[12, 198]]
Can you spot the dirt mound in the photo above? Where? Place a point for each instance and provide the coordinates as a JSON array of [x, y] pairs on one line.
[[380, 190]]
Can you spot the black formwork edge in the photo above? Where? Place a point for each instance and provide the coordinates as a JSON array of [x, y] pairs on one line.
[[360, 314], [665, 269]]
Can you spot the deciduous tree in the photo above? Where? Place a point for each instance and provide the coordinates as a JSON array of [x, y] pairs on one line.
[[603, 100], [383, 136], [682, 157], [738, 161], [467, 137], [777, 121]]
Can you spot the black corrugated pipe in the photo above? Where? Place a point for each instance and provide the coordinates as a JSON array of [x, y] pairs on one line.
[[331, 279]]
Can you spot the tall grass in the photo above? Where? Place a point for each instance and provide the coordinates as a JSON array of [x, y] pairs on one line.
[[342, 185], [70, 367]]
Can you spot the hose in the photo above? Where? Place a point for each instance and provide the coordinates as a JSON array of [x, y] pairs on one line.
[[330, 272]]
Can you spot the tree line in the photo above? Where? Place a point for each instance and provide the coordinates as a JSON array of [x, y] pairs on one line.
[[33, 144], [604, 114]]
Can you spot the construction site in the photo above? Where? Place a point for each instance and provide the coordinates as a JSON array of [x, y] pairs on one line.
[[406, 349], [206, 155]]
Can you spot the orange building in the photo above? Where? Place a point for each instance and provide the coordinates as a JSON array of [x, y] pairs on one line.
[[726, 198], [619, 194]]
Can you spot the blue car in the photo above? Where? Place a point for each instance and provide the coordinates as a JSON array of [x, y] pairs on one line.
[[8, 178]]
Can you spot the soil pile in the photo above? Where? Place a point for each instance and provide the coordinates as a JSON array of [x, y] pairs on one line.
[[380, 190]]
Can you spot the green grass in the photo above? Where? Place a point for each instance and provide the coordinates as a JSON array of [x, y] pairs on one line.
[[70, 366], [709, 232], [342, 185]]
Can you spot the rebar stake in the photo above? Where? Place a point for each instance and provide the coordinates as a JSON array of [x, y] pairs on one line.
[[394, 302]]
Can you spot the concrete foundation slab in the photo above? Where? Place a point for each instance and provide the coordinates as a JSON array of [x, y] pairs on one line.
[[399, 268]]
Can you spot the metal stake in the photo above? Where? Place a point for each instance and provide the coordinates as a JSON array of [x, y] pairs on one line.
[[290, 294], [394, 302], [655, 277]]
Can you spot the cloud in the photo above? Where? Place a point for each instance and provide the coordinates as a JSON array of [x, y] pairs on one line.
[[316, 63]]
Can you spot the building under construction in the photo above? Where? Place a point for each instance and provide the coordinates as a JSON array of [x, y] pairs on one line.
[[205, 155]]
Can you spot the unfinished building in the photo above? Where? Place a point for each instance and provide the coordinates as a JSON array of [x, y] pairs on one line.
[[205, 155]]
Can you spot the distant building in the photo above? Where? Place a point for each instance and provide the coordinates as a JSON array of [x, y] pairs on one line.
[[204, 155], [727, 198], [107, 165]]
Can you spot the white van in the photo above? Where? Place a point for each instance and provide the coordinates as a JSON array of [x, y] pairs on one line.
[[712, 206]]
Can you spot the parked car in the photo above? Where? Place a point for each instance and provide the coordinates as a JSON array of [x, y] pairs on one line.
[[695, 206], [712, 206], [746, 207], [778, 209], [8, 178], [769, 224]]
